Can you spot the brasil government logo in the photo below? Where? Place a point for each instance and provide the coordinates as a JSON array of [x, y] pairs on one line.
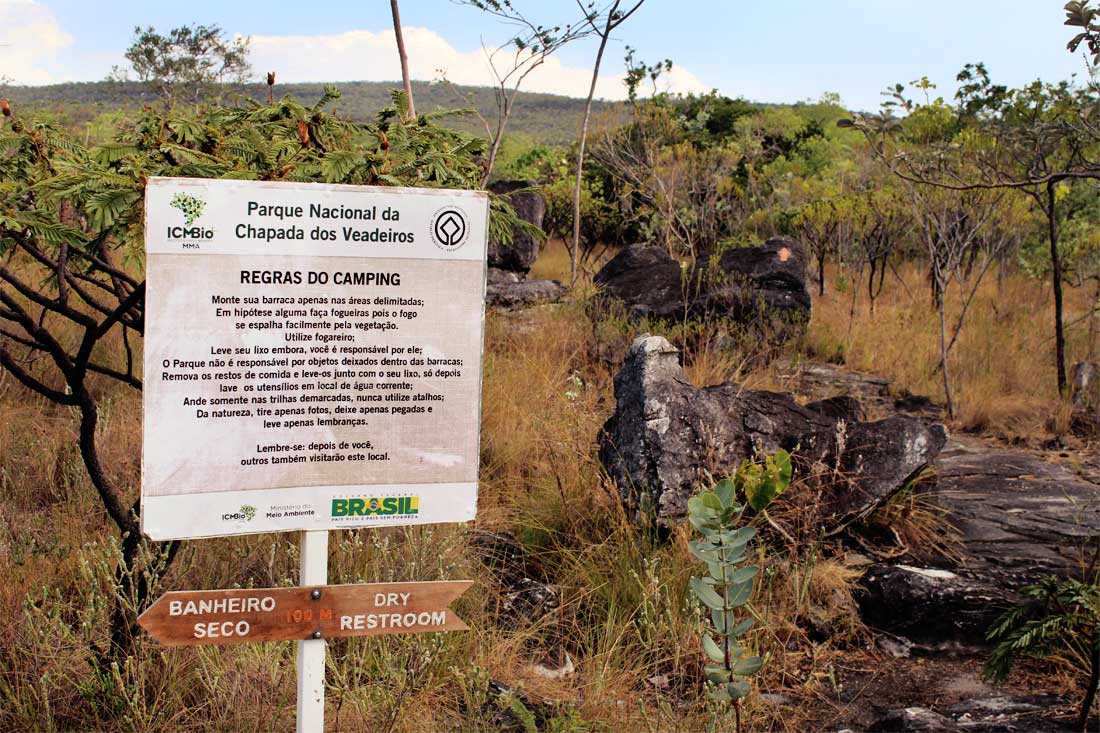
[[449, 228], [391, 506]]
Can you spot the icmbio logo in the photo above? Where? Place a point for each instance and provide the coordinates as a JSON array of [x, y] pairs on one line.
[[245, 514], [191, 207]]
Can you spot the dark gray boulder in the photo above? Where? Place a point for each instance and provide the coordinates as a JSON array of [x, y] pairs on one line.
[[931, 606], [761, 288], [666, 435], [774, 273], [873, 459], [520, 254], [523, 598], [505, 289], [502, 554], [647, 281]]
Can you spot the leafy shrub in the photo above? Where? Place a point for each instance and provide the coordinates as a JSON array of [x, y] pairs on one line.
[[1056, 617], [728, 584]]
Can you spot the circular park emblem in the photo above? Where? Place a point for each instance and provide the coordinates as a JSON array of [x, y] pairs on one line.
[[449, 228]]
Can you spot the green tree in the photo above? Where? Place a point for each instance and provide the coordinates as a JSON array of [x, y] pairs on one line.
[[603, 23], [512, 62], [1027, 140], [188, 63], [402, 57]]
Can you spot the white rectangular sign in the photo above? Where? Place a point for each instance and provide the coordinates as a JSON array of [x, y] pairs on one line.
[[312, 356]]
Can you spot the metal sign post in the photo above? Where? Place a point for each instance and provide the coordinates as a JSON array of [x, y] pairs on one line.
[[312, 361], [311, 653]]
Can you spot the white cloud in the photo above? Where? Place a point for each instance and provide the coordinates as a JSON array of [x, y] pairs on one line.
[[366, 56], [30, 40]]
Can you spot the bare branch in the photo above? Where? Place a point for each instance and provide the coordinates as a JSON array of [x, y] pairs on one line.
[[24, 377]]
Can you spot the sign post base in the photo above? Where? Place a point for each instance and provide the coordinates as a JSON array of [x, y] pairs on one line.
[[311, 653]]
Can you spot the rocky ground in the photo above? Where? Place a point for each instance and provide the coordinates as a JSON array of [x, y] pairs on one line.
[[1014, 513], [1021, 513]]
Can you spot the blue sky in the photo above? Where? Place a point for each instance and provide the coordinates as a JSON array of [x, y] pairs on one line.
[[762, 51]]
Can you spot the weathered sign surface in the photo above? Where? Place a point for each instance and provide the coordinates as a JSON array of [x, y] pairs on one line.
[[186, 618], [312, 356]]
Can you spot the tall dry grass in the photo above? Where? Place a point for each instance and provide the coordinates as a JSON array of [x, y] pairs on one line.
[[626, 619], [1002, 369]]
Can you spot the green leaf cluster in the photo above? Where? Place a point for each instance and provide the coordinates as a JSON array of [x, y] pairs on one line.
[[762, 483], [1057, 617], [49, 182]]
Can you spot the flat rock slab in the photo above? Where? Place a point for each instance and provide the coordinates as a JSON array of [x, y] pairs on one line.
[[1021, 516], [913, 719], [507, 290], [925, 720], [945, 693], [817, 381]]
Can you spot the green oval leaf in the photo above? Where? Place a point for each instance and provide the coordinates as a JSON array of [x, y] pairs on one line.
[[717, 673], [706, 594], [740, 628], [711, 501], [725, 491], [742, 575], [748, 666], [737, 689], [713, 650]]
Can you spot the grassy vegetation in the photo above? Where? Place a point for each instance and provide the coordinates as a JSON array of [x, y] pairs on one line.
[[626, 618], [1003, 364], [549, 118], [694, 175]]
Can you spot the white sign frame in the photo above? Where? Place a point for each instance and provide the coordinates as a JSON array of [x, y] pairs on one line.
[[213, 236]]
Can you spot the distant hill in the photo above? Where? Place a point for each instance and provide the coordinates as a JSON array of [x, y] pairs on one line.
[[545, 118]]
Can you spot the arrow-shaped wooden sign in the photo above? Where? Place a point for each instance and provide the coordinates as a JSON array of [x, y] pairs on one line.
[[186, 618]]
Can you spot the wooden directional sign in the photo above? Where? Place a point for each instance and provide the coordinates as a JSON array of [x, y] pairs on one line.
[[186, 618]]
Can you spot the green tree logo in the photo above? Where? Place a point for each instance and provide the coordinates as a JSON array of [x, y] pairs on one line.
[[248, 511], [191, 206]]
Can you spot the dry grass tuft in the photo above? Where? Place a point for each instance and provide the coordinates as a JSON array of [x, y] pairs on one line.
[[1002, 368]]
